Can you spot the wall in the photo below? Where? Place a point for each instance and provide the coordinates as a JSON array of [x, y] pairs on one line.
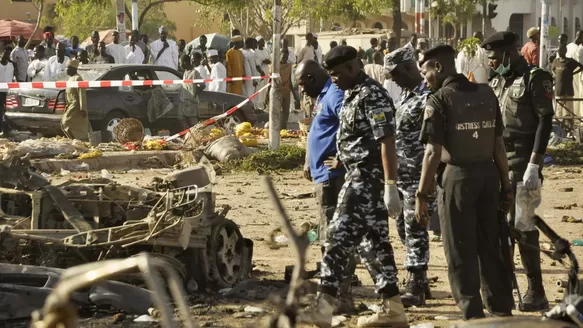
[[18, 10], [185, 15]]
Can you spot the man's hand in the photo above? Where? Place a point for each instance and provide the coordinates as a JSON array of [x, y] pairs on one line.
[[531, 178], [254, 83], [333, 163], [421, 212], [507, 200], [166, 45], [392, 200], [307, 173]]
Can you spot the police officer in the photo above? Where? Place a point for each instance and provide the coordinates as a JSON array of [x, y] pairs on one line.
[[402, 67], [525, 97], [366, 147], [317, 83], [462, 126]]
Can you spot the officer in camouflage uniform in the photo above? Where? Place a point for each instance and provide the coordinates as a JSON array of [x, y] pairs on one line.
[[525, 94], [402, 67], [366, 148]]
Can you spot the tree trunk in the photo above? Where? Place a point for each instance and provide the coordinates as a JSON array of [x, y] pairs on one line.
[[397, 23], [41, 6]]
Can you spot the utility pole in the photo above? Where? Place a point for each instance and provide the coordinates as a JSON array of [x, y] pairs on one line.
[[274, 95], [561, 20], [545, 42], [484, 14], [121, 20], [135, 15]]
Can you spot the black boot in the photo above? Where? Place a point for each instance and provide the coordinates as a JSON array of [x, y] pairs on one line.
[[534, 299], [416, 289]]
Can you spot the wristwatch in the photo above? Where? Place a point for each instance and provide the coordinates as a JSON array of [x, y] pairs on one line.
[[421, 195], [390, 182]]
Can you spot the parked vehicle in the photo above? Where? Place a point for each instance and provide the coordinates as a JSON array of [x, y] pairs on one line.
[[40, 110]]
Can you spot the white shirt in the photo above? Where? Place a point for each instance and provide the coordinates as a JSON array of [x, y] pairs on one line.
[[319, 54], [54, 68], [36, 65], [477, 65], [261, 55], [218, 71], [394, 89], [6, 73], [376, 71], [169, 57], [307, 52], [133, 56], [116, 51], [250, 63], [203, 71], [20, 58], [291, 58]]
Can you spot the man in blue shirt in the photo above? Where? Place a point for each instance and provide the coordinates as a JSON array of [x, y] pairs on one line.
[[320, 166]]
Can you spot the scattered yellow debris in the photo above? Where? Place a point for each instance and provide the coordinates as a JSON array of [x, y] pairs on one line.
[[93, 154]]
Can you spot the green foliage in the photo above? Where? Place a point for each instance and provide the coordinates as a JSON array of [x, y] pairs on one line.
[[567, 153], [81, 17], [284, 158], [454, 12], [469, 46]]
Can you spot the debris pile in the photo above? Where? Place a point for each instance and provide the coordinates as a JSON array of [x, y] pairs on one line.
[[566, 153]]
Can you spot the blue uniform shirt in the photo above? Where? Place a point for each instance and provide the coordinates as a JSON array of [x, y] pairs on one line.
[[322, 136]]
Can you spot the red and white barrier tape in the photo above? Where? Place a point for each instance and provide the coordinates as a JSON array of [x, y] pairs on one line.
[[120, 83], [213, 120]]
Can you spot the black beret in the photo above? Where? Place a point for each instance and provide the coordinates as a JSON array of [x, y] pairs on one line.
[[339, 55], [442, 49], [499, 40]]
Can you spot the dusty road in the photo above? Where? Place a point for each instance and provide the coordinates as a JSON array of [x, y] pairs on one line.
[[254, 214]]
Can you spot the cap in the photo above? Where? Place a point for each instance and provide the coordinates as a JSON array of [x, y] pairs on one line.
[[442, 49], [339, 55], [213, 52], [399, 56], [236, 38], [259, 38], [315, 35], [499, 40], [532, 32], [73, 63], [162, 29], [95, 34]]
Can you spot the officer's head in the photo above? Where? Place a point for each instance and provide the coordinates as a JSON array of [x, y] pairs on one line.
[[311, 76], [401, 66], [501, 50], [437, 65], [343, 65]]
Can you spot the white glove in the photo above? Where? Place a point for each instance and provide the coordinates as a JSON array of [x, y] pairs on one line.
[[392, 200], [531, 178]]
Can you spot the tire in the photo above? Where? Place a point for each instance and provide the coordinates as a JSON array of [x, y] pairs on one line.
[[109, 122], [226, 254]]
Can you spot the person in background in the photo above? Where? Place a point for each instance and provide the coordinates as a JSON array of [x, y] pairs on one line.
[[285, 71], [235, 65], [263, 61], [49, 42], [412, 42], [575, 51], [140, 43], [165, 51], [144, 39], [188, 94], [475, 68], [421, 47], [376, 70], [74, 49], [392, 43], [116, 50], [374, 43], [6, 75], [563, 69], [218, 71], [20, 59], [75, 121], [333, 44], [291, 58], [103, 57], [292, 55], [133, 53], [57, 63], [37, 66], [362, 56], [317, 49], [307, 52], [383, 48], [343, 42], [181, 46], [250, 64], [197, 59], [83, 57], [93, 48], [530, 51], [234, 32], [202, 44]]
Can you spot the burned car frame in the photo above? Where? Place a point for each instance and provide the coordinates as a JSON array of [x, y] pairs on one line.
[[84, 221]]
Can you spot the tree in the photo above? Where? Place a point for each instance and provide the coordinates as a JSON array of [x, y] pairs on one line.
[[40, 6], [80, 18], [397, 20], [454, 12]]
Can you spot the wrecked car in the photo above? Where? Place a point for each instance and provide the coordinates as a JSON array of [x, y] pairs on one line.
[[84, 221]]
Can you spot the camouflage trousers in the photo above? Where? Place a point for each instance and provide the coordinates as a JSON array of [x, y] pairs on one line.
[[413, 235], [360, 222]]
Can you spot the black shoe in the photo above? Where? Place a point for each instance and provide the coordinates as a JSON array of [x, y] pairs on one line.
[[416, 289], [534, 299]]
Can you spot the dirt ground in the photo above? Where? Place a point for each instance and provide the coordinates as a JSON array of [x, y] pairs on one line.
[[252, 211]]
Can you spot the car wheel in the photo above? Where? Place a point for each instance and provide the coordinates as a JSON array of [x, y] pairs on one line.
[[109, 122], [232, 121]]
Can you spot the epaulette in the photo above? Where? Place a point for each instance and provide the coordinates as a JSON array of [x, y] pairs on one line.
[[364, 91]]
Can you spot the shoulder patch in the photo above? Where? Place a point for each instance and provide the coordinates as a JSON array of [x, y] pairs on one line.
[[428, 112], [378, 116], [364, 91]]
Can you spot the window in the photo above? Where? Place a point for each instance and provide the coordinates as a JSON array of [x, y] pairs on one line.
[[141, 75], [553, 21], [165, 75], [378, 25], [577, 24], [565, 25]]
